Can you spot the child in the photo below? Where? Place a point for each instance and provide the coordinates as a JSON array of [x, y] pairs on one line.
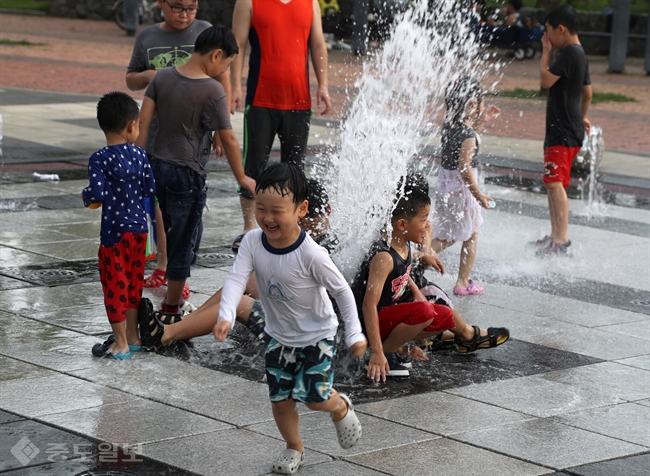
[[568, 101], [295, 275], [457, 213], [249, 311], [188, 103], [120, 175], [169, 43], [393, 317]]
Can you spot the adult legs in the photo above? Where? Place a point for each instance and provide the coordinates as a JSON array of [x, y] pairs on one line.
[[260, 127]]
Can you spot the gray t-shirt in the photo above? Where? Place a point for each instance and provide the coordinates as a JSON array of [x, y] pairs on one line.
[[156, 49], [187, 109]]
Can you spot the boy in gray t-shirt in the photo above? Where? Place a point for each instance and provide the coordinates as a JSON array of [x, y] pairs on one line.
[[189, 104]]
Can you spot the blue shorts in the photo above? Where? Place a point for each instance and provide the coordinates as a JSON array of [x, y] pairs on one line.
[[181, 194], [304, 374]]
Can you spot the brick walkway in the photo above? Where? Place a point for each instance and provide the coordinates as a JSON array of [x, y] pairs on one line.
[[90, 57]]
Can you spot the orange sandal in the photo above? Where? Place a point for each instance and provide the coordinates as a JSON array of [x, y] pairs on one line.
[[158, 278]]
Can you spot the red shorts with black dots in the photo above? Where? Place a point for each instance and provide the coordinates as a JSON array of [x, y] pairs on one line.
[[121, 272]]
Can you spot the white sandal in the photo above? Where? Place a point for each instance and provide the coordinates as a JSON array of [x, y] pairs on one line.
[[348, 430], [288, 462]]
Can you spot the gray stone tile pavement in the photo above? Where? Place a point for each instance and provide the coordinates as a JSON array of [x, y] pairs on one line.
[[199, 419]]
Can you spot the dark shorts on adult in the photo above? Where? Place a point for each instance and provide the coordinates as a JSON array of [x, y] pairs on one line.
[[261, 124]]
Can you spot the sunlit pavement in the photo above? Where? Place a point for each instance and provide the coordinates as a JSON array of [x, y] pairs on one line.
[[569, 393]]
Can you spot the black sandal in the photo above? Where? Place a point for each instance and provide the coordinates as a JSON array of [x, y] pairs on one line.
[[151, 331], [236, 242], [495, 336]]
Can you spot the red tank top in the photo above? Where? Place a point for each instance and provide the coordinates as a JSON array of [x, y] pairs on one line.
[[278, 76]]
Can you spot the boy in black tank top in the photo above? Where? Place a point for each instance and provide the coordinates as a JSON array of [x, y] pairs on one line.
[[391, 315]]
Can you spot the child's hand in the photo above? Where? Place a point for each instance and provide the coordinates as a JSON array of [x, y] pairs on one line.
[[431, 260], [485, 201], [358, 348], [221, 329], [378, 367], [546, 43], [95, 205], [491, 112], [417, 354]]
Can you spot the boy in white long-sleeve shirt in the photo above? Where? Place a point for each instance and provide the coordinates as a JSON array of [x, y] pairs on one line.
[[294, 275]]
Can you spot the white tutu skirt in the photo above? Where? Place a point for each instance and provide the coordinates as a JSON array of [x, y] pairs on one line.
[[456, 213]]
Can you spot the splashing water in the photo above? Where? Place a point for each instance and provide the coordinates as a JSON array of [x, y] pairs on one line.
[[399, 93], [590, 189]]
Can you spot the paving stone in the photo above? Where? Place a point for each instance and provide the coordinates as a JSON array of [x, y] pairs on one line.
[[18, 330], [7, 283], [231, 451], [12, 369], [36, 397], [17, 235], [549, 443], [522, 325], [444, 456], [134, 422], [440, 413], [86, 230], [153, 376], [336, 468], [556, 393], [630, 466], [46, 299], [32, 441], [645, 402], [8, 417], [91, 466], [66, 250], [242, 404], [319, 434], [88, 320], [641, 362], [595, 343], [63, 355], [20, 257], [627, 422], [639, 329]]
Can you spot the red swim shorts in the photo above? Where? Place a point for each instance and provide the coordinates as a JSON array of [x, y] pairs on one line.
[[413, 313], [557, 164], [121, 272]]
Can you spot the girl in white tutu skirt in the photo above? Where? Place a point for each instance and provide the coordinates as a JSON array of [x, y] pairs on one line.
[[458, 198]]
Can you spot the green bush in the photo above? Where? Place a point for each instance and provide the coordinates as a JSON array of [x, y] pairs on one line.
[[25, 4]]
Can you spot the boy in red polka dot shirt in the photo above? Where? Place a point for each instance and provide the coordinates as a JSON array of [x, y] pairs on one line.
[[119, 178]]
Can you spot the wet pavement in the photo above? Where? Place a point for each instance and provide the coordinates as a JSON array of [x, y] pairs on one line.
[[569, 394]]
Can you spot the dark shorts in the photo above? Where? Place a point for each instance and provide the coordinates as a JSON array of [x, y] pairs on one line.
[[414, 313], [121, 272], [557, 164], [261, 124], [304, 374], [181, 194]]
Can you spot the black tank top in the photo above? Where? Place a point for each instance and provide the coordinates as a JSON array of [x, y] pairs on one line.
[[396, 284]]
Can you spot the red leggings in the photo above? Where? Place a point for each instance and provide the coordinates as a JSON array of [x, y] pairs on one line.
[[121, 272], [413, 313]]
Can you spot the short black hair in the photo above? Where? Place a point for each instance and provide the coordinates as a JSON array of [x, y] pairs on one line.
[[458, 94], [412, 197], [115, 110], [215, 38], [284, 178], [517, 4], [317, 198], [566, 16]]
